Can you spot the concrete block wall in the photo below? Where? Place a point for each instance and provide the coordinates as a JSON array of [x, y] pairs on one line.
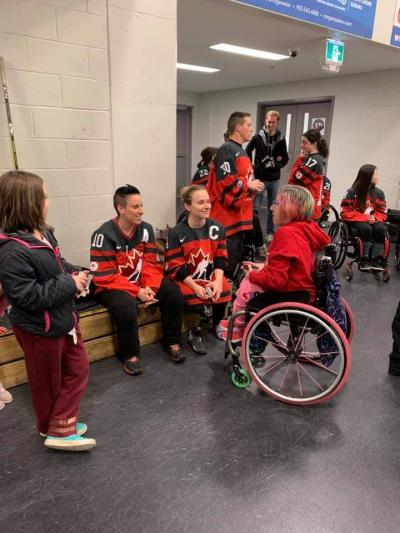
[[365, 126], [143, 43], [57, 69]]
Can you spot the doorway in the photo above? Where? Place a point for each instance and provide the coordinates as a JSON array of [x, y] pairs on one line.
[[296, 118], [183, 151]]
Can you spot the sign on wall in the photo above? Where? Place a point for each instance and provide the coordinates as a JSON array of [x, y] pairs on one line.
[[395, 40], [351, 16], [319, 124]]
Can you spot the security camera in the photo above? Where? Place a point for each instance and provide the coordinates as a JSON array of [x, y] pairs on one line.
[[293, 52]]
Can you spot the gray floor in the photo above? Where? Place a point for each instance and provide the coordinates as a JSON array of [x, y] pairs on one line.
[[182, 450]]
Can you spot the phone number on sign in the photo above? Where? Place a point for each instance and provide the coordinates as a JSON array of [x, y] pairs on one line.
[[307, 10]]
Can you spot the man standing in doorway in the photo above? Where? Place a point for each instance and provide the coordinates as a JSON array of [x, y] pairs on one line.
[[270, 155], [232, 188]]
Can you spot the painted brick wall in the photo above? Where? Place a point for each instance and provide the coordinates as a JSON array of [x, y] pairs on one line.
[[56, 60]]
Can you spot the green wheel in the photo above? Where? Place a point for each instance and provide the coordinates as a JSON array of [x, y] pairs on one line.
[[243, 380]]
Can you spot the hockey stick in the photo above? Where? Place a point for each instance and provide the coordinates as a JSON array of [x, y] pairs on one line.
[[10, 124]]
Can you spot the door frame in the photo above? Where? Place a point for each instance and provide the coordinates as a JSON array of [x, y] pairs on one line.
[[312, 100], [189, 110]]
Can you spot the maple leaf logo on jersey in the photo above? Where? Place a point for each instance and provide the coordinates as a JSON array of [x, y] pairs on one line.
[[201, 262], [133, 266]]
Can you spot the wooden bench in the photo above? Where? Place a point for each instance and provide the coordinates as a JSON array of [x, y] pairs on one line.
[[99, 335]]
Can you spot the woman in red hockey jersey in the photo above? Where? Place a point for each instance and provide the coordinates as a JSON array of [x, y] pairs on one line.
[[308, 169], [196, 259], [364, 208]]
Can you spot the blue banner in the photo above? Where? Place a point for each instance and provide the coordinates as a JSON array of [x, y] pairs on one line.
[[350, 16], [395, 40]]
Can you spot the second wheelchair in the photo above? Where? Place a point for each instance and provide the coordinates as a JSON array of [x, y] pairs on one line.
[[348, 244]]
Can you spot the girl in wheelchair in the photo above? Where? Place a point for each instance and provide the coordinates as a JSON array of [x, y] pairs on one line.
[[364, 210], [287, 274], [196, 258]]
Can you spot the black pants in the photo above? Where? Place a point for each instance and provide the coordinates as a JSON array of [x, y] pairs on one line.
[[254, 236], [123, 309], [395, 354], [218, 311], [372, 236], [265, 299], [234, 248]]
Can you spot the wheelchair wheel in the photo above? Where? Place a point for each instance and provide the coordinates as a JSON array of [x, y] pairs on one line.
[[351, 326], [339, 235], [397, 255], [329, 215], [240, 378], [307, 356], [349, 273]]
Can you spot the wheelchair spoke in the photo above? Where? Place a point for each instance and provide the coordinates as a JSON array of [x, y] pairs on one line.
[[279, 347], [310, 376], [273, 366], [301, 336], [315, 339], [317, 354], [320, 365], [290, 339], [277, 356], [273, 330], [284, 377], [299, 380]]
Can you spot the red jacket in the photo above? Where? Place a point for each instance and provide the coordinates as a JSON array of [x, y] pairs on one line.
[[375, 205], [231, 201], [290, 262]]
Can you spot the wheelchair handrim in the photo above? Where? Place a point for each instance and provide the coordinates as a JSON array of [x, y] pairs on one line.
[[321, 318]]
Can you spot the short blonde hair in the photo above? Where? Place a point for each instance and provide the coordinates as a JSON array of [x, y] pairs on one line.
[[297, 202], [274, 113]]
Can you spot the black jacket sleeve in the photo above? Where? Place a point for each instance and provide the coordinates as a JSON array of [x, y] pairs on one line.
[[250, 147], [283, 153], [18, 278]]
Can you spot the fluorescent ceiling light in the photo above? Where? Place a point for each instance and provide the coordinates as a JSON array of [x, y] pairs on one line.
[[261, 54], [196, 68]]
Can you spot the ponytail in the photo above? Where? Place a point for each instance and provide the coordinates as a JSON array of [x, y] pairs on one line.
[[314, 136]]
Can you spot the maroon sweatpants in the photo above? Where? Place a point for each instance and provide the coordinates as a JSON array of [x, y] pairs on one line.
[[57, 375]]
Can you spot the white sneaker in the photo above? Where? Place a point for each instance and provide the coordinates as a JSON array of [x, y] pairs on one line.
[[72, 443]]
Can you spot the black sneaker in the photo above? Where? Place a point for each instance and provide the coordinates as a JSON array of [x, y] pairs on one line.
[[196, 343], [376, 263], [176, 354], [132, 366], [393, 371], [365, 264]]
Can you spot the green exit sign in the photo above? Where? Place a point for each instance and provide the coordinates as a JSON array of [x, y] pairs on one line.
[[334, 51]]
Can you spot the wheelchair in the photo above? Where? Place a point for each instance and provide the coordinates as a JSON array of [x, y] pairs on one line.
[[329, 215], [348, 244], [394, 232], [295, 353]]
